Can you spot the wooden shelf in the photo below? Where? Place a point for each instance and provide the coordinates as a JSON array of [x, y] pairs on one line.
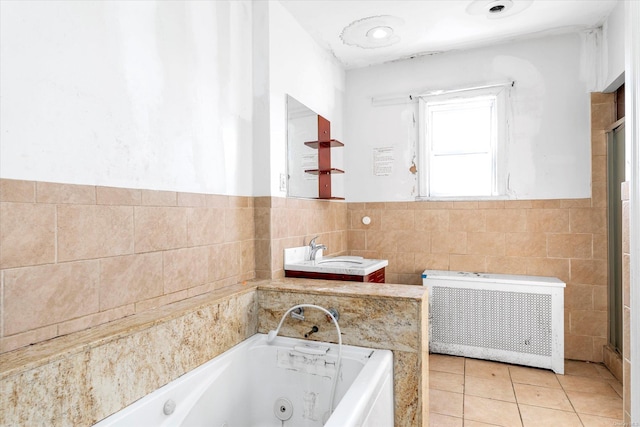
[[330, 143], [323, 171]]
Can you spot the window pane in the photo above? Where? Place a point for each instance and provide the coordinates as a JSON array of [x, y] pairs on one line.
[[464, 175], [461, 128], [461, 141]]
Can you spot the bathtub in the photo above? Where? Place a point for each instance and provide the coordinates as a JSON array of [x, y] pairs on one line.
[[284, 383]]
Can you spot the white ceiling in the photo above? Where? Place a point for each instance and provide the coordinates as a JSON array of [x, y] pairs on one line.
[[432, 26]]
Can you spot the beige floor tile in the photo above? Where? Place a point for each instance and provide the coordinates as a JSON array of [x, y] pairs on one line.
[[615, 384], [479, 393], [439, 420], [491, 411], [594, 404], [444, 363], [595, 421], [533, 376], [542, 396], [445, 403], [583, 369], [491, 388], [446, 381], [486, 369], [587, 385], [534, 416], [604, 372]]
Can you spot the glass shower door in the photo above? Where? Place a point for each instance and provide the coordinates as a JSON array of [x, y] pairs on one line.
[[615, 177]]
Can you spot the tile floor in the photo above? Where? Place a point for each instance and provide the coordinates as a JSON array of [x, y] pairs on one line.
[[475, 393]]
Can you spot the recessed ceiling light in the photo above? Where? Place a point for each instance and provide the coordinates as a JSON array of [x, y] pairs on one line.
[[380, 32], [372, 32]]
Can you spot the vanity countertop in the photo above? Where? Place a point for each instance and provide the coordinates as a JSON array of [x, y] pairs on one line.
[[354, 265]]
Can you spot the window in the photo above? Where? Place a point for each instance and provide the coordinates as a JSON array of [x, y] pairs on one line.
[[462, 143]]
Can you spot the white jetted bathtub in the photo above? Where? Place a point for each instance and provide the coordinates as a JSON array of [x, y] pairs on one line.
[[285, 383]]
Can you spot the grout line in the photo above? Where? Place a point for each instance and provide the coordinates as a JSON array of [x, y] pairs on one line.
[[162, 268], [99, 287], [55, 235], [464, 386], [515, 396], [569, 400]]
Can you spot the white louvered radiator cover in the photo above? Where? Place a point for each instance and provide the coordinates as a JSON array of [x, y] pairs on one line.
[[506, 318]]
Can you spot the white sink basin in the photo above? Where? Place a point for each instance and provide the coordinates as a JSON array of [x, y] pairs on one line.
[[340, 262], [354, 265]]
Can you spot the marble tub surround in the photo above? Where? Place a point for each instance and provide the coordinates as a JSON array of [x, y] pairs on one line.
[[81, 378], [392, 317], [76, 256], [84, 377]]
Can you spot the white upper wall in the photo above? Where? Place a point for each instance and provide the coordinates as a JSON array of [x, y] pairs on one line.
[[549, 155], [167, 95], [299, 67], [613, 49], [151, 94]]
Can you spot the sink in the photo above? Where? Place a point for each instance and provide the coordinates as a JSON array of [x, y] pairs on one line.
[[341, 261], [353, 265]]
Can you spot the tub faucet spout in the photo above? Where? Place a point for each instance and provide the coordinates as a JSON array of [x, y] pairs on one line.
[[315, 248], [298, 313]]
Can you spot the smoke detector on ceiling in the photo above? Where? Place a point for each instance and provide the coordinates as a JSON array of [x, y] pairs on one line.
[[372, 32], [494, 9]]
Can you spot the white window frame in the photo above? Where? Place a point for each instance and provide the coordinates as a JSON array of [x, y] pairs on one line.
[[500, 92]]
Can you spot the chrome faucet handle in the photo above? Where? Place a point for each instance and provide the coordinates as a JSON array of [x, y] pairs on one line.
[[312, 243], [298, 313], [334, 313]]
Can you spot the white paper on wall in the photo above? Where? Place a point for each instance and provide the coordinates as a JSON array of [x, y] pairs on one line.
[[383, 161]]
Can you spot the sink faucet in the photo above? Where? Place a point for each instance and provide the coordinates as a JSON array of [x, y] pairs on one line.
[[315, 248]]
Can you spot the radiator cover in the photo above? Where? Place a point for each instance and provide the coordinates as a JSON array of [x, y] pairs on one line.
[[507, 318]]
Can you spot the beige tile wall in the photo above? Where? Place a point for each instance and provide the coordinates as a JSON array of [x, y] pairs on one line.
[[285, 223], [562, 238], [75, 256], [626, 303]]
